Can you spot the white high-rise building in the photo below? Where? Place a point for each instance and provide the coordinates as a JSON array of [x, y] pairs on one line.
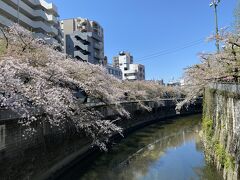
[[130, 71], [37, 16]]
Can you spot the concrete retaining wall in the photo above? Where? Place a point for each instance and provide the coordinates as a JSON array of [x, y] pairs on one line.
[[221, 128], [50, 151]]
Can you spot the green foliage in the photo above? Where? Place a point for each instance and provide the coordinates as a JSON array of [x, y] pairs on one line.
[[207, 126], [207, 122], [208, 103], [213, 145], [204, 106], [220, 152], [225, 159], [229, 162]]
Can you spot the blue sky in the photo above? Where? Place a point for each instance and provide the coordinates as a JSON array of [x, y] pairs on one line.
[[148, 27]]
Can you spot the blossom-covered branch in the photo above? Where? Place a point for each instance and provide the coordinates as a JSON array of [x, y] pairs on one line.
[[36, 79], [214, 67]]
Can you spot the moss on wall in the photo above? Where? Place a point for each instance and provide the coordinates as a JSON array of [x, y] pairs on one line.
[[224, 158], [216, 118], [207, 126], [208, 105]]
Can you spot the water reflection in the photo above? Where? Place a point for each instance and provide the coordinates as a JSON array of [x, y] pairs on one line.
[[161, 151]]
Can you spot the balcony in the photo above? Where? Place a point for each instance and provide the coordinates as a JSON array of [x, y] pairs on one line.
[[13, 14], [131, 77], [97, 55], [131, 71], [82, 46], [49, 40], [81, 42], [98, 46], [32, 12], [83, 51], [5, 21], [50, 7], [80, 37], [84, 23], [83, 28], [97, 37], [80, 55]]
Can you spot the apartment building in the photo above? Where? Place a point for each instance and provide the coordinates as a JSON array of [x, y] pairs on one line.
[[135, 72], [114, 71], [130, 71], [38, 16], [123, 57], [83, 40]]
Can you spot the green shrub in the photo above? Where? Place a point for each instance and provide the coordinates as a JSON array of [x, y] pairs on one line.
[[207, 126], [225, 159], [229, 162], [220, 152]]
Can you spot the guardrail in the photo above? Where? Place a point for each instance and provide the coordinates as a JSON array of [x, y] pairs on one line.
[[8, 114], [230, 87]]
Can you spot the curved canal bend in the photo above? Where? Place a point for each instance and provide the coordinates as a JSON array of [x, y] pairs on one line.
[[169, 150]]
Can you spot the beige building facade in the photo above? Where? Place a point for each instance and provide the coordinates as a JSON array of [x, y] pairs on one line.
[[83, 40]]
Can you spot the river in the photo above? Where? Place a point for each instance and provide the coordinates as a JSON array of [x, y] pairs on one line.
[[169, 150]]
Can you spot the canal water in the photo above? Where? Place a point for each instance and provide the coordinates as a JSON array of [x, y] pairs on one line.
[[169, 150]]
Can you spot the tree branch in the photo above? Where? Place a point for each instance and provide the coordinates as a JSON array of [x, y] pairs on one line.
[[5, 36]]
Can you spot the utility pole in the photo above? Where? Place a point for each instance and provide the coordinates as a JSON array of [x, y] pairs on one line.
[[214, 4]]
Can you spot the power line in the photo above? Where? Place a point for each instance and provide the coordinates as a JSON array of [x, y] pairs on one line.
[[170, 51]]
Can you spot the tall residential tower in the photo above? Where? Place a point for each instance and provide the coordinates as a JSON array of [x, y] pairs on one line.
[[84, 40], [37, 16]]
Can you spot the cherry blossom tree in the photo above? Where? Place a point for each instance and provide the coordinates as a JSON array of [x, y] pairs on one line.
[[151, 90], [35, 79], [35, 76], [214, 67]]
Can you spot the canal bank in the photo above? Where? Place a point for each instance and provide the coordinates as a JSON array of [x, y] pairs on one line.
[[221, 128], [140, 118], [49, 153], [154, 152]]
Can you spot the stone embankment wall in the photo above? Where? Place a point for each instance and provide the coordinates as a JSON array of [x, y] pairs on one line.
[[49, 151], [221, 128]]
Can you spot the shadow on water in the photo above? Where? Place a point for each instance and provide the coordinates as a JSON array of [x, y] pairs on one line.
[[167, 150]]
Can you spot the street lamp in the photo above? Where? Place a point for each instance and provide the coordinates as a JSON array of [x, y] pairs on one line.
[[214, 4]]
